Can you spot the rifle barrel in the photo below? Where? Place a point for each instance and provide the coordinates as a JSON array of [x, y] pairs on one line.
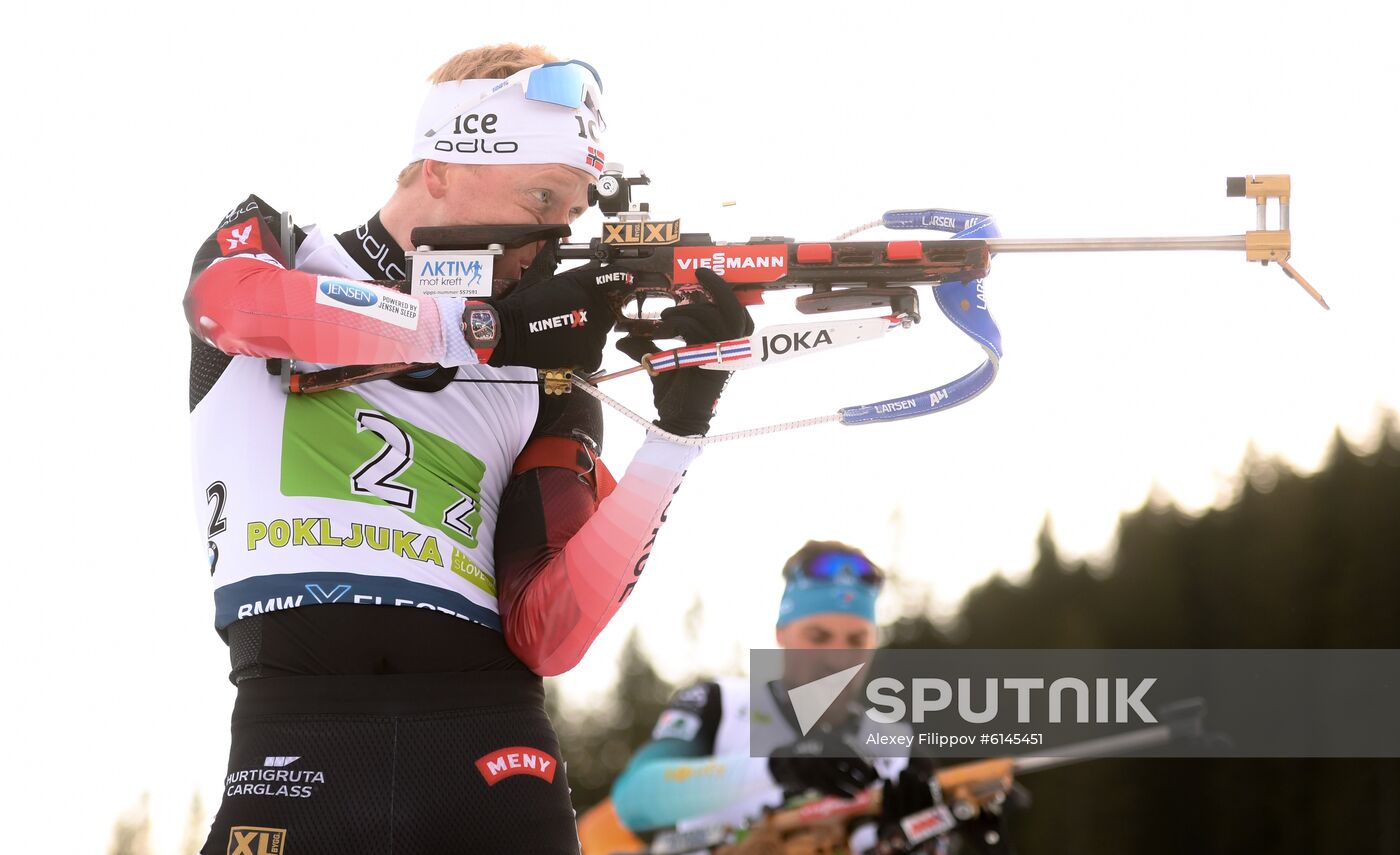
[[1123, 244], [1103, 747]]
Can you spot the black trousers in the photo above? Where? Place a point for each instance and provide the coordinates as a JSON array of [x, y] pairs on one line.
[[393, 764]]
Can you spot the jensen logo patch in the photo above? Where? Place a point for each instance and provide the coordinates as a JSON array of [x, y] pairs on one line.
[[350, 296], [348, 293], [516, 760], [253, 840]]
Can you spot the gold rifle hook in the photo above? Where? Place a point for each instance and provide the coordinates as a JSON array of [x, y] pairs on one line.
[[1264, 244]]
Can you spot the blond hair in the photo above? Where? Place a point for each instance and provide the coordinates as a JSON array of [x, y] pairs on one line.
[[493, 62]]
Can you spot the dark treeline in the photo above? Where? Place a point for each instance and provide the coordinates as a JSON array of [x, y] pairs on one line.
[[1294, 561]]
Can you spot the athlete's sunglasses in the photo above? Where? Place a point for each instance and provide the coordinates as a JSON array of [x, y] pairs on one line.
[[831, 565], [573, 84]]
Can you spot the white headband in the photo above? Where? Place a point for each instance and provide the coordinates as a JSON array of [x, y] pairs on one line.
[[505, 128]]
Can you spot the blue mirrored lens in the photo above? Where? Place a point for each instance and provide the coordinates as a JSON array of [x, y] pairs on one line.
[[562, 83], [831, 565]]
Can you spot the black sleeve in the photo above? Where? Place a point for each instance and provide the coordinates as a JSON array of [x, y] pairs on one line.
[[251, 228]]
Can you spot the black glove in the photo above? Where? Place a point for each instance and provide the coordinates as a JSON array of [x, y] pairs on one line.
[[561, 322], [685, 398], [907, 794], [821, 762]]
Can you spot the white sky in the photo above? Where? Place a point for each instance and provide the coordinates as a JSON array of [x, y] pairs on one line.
[[134, 127]]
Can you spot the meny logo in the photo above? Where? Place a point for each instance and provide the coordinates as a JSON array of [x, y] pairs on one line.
[[516, 760]]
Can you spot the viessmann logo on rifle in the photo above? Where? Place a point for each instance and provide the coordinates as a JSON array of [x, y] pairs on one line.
[[756, 263]]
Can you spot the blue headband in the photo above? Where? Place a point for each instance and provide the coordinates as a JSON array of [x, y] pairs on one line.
[[804, 597]]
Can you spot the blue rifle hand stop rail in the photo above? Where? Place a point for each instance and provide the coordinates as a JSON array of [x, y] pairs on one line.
[[964, 304]]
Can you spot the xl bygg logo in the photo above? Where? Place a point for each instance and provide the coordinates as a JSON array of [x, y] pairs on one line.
[[654, 233], [252, 840], [516, 760]]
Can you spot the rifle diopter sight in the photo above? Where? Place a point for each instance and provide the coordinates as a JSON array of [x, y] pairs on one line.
[[613, 194]]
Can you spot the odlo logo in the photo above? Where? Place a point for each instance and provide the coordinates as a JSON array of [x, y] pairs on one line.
[[516, 760], [349, 294], [782, 343], [252, 840]]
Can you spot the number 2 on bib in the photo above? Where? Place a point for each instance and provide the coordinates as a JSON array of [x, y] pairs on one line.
[[337, 445]]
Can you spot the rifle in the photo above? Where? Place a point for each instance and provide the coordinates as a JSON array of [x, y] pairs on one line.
[[840, 276], [973, 796]]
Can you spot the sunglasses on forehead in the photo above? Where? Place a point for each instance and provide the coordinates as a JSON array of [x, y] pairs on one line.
[[564, 83], [574, 84], [830, 565]]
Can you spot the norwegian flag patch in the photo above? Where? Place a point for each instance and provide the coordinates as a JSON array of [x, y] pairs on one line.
[[242, 237]]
